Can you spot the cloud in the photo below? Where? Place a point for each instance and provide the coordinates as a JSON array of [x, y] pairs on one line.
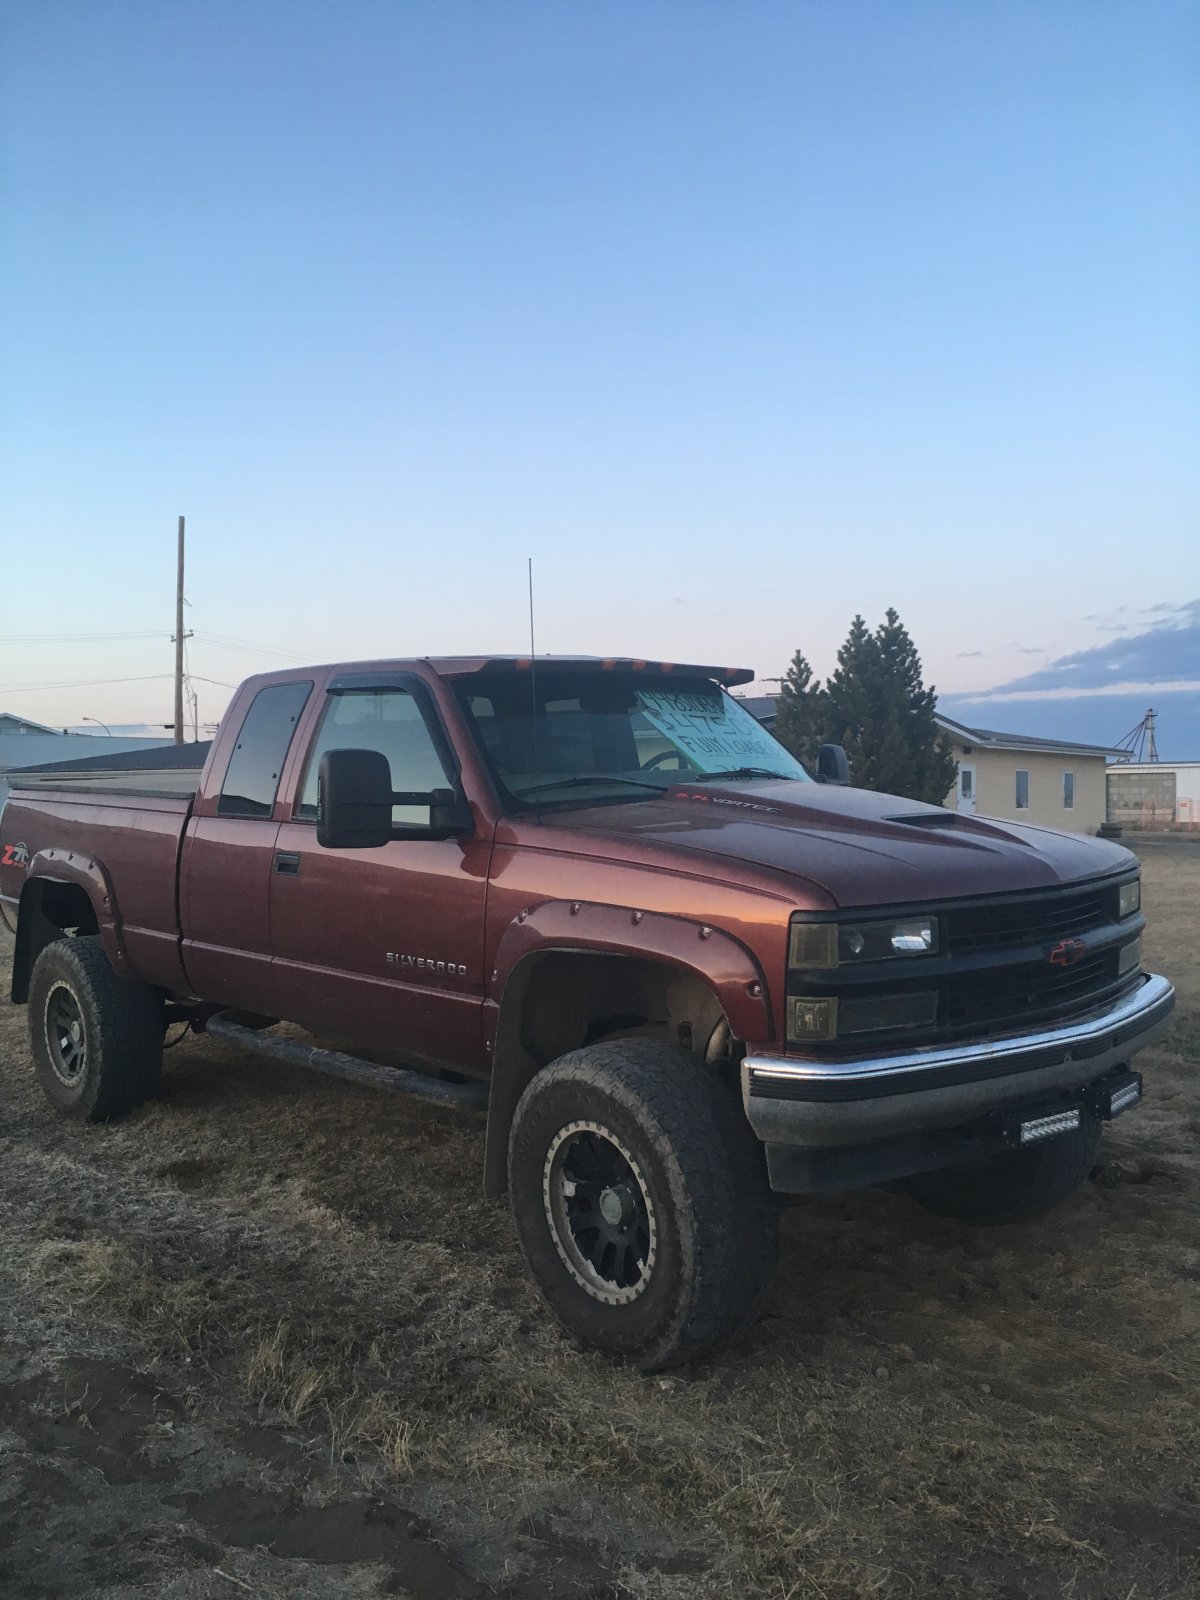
[[1164, 658], [965, 655]]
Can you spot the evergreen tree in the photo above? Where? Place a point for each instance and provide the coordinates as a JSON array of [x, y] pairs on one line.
[[853, 694], [877, 706], [801, 713], [913, 759]]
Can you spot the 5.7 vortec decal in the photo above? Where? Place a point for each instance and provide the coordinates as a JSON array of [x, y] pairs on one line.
[[722, 800], [14, 855], [445, 969]]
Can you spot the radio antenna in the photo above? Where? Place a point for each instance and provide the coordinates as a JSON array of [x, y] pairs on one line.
[[537, 810]]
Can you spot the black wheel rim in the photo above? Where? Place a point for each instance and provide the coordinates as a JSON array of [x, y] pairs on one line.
[[66, 1036], [601, 1216]]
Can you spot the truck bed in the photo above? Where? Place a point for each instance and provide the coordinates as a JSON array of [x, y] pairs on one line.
[[137, 836]]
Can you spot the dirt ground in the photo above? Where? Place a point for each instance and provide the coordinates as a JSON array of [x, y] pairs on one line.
[[265, 1338]]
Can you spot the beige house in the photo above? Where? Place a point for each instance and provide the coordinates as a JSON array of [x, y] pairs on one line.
[[1049, 782]]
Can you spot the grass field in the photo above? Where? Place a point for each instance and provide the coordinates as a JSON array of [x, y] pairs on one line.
[[266, 1338]]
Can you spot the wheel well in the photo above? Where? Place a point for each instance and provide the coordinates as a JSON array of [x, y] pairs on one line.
[[48, 910], [562, 1000], [572, 1000]]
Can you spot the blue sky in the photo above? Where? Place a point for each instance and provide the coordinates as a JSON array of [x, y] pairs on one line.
[[738, 318]]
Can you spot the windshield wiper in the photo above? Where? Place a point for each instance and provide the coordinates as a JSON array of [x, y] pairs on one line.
[[598, 779], [736, 772]]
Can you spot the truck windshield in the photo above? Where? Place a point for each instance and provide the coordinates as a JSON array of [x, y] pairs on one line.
[[596, 738]]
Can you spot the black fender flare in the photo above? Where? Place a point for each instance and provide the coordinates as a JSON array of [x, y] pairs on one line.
[[561, 927], [58, 868]]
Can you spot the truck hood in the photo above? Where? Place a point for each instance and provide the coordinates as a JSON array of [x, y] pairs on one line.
[[860, 847]]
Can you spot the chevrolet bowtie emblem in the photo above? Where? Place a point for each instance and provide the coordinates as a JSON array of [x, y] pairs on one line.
[[1066, 952]]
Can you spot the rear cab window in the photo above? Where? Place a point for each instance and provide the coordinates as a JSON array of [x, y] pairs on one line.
[[252, 777]]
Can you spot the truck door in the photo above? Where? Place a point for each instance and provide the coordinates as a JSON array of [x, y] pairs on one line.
[[225, 877], [382, 947]]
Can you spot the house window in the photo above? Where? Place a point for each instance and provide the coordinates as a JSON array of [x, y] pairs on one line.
[[1022, 791], [1068, 791]]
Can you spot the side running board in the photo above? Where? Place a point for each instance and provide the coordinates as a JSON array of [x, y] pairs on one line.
[[397, 1080]]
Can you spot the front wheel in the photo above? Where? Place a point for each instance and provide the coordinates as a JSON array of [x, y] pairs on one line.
[[1014, 1185], [641, 1201]]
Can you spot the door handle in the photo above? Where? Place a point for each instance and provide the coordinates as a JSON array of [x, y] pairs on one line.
[[287, 863]]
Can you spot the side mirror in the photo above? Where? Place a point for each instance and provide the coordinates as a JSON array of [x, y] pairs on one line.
[[354, 800], [449, 814], [832, 766]]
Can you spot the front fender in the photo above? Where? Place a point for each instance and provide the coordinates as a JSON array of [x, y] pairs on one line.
[[560, 927]]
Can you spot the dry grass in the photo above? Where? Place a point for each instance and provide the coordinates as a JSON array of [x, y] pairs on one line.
[[926, 1410]]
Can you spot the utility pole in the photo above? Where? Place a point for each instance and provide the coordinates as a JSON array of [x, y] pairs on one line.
[[179, 643]]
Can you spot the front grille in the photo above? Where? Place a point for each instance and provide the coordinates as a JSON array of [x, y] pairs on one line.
[[1029, 992], [1006, 964], [1039, 919]]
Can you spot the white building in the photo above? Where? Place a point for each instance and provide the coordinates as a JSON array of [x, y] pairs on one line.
[[1155, 795]]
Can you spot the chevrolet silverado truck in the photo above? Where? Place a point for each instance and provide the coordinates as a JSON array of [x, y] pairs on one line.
[[597, 901]]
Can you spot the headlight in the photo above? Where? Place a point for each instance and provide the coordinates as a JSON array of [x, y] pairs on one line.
[[828, 944], [1131, 898]]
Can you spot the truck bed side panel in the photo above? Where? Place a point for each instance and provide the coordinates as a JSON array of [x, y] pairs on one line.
[[136, 841]]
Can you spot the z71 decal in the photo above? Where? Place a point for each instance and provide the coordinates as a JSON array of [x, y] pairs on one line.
[[14, 855]]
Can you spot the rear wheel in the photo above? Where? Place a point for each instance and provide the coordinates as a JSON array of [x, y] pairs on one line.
[[96, 1040], [1015, 1184], [641, 1201]]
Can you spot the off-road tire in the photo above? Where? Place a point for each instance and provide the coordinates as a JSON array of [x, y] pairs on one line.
[[1014, 1185], [716, 1228], [116, 1061]]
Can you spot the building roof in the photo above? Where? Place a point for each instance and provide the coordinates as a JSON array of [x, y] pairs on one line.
[[990, 739], [160, 758], [11, 723], [1152, 766], [761, 706], [765, 706]]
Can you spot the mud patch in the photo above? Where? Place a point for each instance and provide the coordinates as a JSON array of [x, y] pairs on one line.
[[339, 1533], [103, 1415]]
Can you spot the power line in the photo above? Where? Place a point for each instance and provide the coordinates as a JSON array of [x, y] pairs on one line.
[[82, 683], [71, 638], [248, 647]]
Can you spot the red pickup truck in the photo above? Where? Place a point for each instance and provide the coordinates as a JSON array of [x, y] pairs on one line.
[[597, 900]]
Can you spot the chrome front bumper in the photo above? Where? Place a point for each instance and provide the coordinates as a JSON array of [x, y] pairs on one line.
[[817, 1104]]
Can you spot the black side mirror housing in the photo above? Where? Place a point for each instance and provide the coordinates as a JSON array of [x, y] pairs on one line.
[[832, 766], [355, 800]]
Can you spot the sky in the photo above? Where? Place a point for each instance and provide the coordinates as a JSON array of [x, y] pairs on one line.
[[737, 318]]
